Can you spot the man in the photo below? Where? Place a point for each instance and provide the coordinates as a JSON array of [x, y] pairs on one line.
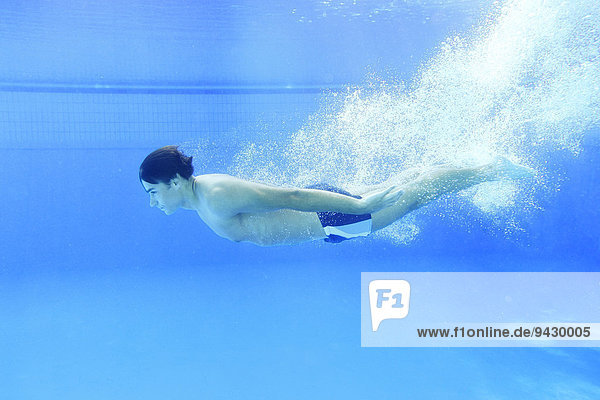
[[240, 210]]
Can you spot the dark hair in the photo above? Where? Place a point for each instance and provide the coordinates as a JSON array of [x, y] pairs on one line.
[[164, 164]]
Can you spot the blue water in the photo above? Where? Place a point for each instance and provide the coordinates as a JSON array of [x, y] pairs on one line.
[[103, 297]]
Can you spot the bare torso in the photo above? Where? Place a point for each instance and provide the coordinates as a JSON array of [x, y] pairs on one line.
[[266, 228], [283, 226]]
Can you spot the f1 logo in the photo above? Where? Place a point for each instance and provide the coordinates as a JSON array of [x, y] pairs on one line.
[[388, 299]]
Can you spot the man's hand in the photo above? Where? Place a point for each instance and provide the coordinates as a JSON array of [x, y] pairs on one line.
[[378, 200]]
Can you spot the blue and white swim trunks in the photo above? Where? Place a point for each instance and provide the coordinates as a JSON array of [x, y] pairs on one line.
[[340, 226]]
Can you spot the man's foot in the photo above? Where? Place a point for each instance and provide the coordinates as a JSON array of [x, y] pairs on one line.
[[503, 168]]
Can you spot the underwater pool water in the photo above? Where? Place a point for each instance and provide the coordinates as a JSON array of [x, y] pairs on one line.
[[102, 296]]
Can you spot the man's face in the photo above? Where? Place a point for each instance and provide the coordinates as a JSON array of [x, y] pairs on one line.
[[164, 196]]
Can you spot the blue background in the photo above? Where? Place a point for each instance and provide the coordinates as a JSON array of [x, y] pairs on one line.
[[103, 297]]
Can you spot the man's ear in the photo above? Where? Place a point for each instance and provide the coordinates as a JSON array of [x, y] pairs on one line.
[[176, 182]]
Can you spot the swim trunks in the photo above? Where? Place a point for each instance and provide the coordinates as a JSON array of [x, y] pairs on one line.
[[340, 226]]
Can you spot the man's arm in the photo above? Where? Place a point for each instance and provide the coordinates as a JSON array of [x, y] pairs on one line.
[[230, 196]]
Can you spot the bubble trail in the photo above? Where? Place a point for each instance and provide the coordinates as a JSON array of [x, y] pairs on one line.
[[526, 80]]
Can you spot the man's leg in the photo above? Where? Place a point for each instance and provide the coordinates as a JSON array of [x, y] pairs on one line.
[[445, 180]]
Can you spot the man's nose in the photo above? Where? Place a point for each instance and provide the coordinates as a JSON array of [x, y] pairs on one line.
[[152, 202]]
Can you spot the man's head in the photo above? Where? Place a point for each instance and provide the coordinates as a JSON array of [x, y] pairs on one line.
[[164, 164], [163, 174]]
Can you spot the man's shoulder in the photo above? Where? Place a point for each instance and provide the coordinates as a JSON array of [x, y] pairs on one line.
[[209, 182], [211, 179], [215, 191]]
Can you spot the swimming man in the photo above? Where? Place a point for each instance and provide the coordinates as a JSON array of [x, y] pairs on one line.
[[241, 210]]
